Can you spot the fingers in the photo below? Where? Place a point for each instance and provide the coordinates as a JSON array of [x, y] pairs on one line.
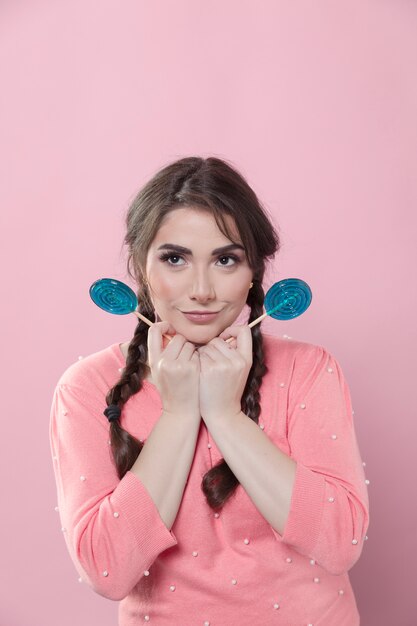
[[155, 340], [241, 343], [171, 349], [188, 350], [196, 358], [242, 339], [216, 348], [206, 355]]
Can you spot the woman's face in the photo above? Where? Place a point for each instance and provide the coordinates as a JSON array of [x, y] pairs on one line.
[[187, 272]]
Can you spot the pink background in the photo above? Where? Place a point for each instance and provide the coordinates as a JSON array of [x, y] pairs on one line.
[[315, 103]]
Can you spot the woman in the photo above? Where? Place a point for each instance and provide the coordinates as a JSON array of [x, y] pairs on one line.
[[230, 489]]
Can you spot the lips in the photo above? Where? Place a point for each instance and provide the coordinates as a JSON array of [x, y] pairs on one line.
[[200, 318], [200, 312]]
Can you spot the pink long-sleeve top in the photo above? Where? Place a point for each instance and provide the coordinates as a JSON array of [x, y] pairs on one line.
[[231, 568]]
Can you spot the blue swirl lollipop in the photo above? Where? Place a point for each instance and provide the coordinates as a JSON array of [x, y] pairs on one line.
[[113, 296], [116, 297], [287, 299]]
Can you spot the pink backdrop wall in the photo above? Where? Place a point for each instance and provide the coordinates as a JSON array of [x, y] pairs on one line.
[[316, 104]]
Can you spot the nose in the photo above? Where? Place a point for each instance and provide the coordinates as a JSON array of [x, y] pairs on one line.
[[202, 288]]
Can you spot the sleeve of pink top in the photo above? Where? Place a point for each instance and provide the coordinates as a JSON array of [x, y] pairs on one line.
[[329, 513], [112, 527]]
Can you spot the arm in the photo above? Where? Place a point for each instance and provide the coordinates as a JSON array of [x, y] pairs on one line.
[[320, 488], [330, 490], [114, 530], [164, 463], [265, 472]]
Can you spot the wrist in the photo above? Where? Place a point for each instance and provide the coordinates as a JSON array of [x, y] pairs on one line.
[[227, 414], [182, 413]]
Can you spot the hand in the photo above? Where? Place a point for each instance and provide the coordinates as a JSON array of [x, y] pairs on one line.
[[224, 370], [175, 369]]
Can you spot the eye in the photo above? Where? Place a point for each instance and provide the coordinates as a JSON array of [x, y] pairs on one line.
[[168, 256], [231, 257], [172, 258]]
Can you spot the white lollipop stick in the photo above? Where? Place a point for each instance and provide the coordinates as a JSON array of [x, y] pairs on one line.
[[258, 319], [145, 319]]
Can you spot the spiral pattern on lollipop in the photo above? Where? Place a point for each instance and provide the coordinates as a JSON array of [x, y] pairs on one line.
[[287, 298], [113, 296]]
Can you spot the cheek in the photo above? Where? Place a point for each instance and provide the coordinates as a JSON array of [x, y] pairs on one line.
[[162, 286], [237, 294]]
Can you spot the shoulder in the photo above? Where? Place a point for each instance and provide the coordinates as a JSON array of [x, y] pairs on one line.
[[98, 371], [286, 351], [309, 372], [301, 364], [80, 398]]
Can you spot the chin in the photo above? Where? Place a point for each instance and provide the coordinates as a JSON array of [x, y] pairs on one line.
[[200, 339], [199, 336]]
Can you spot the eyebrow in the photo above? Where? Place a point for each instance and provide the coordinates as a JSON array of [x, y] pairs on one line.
[[182, 250]]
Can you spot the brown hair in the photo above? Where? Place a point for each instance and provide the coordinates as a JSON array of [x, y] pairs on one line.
[[211, 184]]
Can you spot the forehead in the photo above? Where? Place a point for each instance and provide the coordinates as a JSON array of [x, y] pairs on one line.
[[186, 223]]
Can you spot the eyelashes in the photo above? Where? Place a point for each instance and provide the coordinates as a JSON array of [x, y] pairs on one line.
[[170, 255]]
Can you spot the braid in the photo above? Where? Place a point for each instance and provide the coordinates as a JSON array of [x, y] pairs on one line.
[[219, 483], [125, 447]]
